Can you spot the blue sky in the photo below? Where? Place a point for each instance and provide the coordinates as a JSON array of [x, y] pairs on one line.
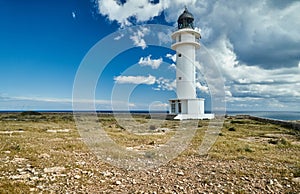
[[255, 46]]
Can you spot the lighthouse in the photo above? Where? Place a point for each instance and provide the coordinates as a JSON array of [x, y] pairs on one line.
[[186, 42]]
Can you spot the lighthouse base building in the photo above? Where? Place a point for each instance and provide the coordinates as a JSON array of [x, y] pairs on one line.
[[188, 109], [186, 41]]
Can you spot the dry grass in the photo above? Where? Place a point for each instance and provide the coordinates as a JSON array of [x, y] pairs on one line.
[[29, 140]]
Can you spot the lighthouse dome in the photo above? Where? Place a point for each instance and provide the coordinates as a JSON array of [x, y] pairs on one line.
[[186, 20]]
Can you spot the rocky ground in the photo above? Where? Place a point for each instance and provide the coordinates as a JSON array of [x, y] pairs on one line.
[[44, 156], [192, 175]]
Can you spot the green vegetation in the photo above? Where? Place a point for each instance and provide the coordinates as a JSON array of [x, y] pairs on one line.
[[231, 129], [25, 113]]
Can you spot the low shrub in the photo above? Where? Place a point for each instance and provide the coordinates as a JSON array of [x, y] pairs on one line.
[[30, 113], [231, 129]]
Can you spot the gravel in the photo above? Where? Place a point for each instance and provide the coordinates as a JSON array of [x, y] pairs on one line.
[[192, 174]]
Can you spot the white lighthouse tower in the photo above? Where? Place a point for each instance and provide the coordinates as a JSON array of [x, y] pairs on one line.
[[187, 105]]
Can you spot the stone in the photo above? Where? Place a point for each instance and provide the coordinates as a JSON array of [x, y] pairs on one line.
[[19, 160], [107, 174], [271, 182], [44, 155], [296, 180], [21, 176], [77, 176], [20, 170], [118, 182], [51, 131], [10, 132], [52, 178], [180, 173], [278, 185], [133, 181], [34, 178], [56, 169], [58, 131]]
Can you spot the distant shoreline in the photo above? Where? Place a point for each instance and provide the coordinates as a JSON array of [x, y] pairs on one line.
[[274, 115], [284, 123]]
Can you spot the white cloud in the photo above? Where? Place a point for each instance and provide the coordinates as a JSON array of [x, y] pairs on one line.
[[119, 37], [73, 15], [45, 103], [162, 83], [228, 93], [41, 99], [165, 84], [172, 57], [158, 106], [263, 32], [142, 10], [252, 85], [135, 80], [153, 63], [164, 38], [202, 87], [62, 100], [137, 37], [255, 44], [172, 66]]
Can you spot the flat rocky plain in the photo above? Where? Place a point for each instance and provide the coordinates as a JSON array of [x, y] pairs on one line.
[[44, 153]]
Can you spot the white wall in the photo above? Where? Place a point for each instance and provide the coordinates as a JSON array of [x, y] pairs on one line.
[[185, 68]]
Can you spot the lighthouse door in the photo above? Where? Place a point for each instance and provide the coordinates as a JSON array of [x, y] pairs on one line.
[[179, 107]]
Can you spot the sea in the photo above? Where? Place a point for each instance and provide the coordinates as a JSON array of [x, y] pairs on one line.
[[277, 115]]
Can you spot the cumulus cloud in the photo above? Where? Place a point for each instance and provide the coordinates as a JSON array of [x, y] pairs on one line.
[[202, 88], [255, 44], [172, 57], [142, 10], [263, 32], [160, 83], [164, 37], [149, 80], [244, 77], [165, 84], [137, 37], [153, 63], [158, 106]]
